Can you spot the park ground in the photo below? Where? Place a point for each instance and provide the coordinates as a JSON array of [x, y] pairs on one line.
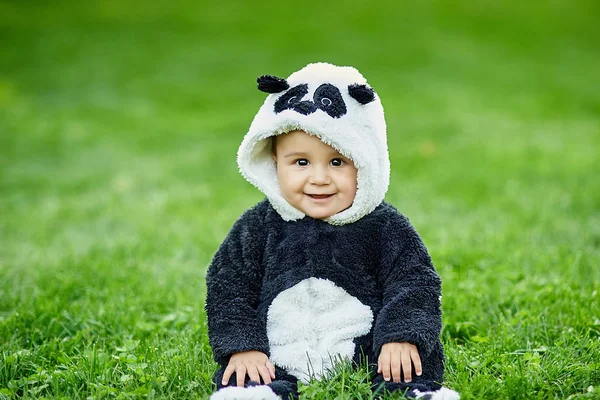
[[119, 125]]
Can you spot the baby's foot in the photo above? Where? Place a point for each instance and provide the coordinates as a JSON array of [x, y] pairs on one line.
[[261, 392], [441, 394]]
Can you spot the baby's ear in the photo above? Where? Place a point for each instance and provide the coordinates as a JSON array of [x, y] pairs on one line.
[[361, 93], [271, 84]]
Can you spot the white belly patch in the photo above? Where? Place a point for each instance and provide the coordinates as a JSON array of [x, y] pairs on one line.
[[312, 325]]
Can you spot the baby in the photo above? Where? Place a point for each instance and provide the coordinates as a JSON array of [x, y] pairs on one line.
[[322, 270]]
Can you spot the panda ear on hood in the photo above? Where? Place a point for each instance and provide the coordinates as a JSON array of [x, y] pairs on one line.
[[361, 93], [271, 84]]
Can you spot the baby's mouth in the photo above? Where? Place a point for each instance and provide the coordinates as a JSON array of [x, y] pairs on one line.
[[319, 196]]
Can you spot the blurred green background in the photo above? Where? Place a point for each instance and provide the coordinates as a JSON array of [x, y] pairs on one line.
[[119, 125]]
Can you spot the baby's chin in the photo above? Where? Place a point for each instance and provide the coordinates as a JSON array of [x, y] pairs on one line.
[[320, 215], [316, 214]]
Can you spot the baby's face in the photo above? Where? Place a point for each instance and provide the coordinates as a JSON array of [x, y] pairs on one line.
[[313, 177]]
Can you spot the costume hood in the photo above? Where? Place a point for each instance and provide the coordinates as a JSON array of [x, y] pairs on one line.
[[336, 105]]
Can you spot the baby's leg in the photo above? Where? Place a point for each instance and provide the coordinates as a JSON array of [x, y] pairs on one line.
[[414, 390], [411, 390], [284, 386]]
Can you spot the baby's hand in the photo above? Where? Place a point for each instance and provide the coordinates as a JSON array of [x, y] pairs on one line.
[[398, 356], [253, 363]]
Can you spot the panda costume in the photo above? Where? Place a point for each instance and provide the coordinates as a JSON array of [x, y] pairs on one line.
[[310, 292]]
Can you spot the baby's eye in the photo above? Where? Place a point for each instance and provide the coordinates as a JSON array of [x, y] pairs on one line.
[[302, 162], [336, 162]]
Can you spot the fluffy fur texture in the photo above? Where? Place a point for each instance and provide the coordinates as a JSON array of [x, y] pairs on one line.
[[441, 394], [379, 260], [245, 393], [335, 104], [361, 93], [312, 325], [285, 385], [271, 84]]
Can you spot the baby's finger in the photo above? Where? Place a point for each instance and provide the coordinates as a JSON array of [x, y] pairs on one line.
[[241, 375], [227, 374], [253, 374], [271, 369], [396, 364], [416, 359], [265, 374], [406, 367], [384, 368]]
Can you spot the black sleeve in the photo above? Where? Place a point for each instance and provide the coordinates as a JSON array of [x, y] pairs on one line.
[[233, 283], [411, 309]]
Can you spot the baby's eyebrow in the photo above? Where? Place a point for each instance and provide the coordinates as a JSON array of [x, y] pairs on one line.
[[333, 154], [294, 154]]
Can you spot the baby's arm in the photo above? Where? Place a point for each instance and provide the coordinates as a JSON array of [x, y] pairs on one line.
[[255, 364], [411, 309], [233, 285], [396, 357]]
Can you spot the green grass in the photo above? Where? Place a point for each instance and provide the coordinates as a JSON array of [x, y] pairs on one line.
[[119, 125]]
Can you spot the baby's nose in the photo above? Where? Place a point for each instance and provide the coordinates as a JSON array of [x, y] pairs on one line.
[[319, 176]]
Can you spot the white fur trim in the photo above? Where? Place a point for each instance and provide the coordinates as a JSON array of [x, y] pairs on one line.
[[442, 394], [360, 134], [312, 325], [248, 393]]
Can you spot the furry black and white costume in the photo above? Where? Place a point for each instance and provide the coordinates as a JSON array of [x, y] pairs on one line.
[[310, 292]]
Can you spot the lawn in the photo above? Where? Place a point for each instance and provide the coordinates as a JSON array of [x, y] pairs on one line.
[[119, 125]]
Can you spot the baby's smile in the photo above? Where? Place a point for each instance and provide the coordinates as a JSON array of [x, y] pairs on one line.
[[320, 196]]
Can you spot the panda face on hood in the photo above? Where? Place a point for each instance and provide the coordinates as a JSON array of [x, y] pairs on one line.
[[326, 98], [336, 105]]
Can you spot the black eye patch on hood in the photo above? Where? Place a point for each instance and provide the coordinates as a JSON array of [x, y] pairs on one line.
[[291, 98], [327, 98]]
